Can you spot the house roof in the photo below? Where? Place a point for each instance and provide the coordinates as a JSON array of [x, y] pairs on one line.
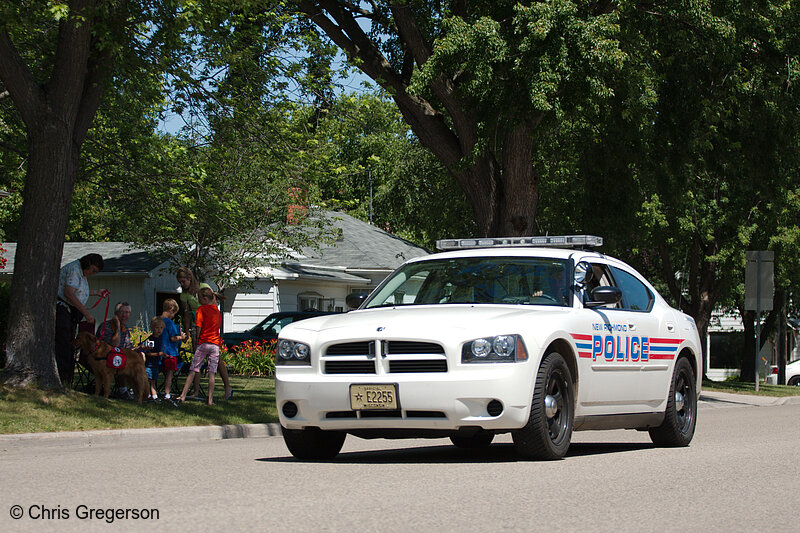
[[118, 257], [361, 246]]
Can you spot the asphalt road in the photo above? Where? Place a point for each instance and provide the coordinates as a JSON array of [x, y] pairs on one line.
[[740, 473]]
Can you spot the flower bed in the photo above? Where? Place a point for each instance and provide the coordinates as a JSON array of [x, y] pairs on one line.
[[251, 358]]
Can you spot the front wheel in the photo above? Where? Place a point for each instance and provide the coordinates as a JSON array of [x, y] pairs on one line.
[[547, 434], [681, 414], [313, 443]]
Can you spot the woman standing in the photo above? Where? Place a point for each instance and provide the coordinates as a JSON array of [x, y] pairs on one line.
[[190, 289]]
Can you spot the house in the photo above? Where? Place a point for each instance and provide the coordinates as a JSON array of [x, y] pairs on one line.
[[724, 346], [358, 260]]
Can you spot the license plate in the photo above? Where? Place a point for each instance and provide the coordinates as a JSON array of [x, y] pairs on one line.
[[364, 396]]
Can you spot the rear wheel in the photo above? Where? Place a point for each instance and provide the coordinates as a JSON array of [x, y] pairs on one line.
[[549, 429], [313, 443], [794, 382], [481, 440], [681, 414]]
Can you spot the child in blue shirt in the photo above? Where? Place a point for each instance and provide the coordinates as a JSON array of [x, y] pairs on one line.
[[152, 348], [171, 340]]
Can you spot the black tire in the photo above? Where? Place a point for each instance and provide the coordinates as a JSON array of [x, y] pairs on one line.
[[794, 382], [480, 440], [680, 417], [313, 443], [547, 434]]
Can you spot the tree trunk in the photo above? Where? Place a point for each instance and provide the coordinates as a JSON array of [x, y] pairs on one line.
[[31, 322], [57, 116]]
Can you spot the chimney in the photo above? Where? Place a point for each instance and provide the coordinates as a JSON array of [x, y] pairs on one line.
[[296, 207]]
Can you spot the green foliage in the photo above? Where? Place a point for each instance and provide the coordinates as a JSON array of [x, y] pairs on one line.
[[364, 157]]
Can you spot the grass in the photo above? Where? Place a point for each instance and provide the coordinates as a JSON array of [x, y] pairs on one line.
[[30, 410], [743, 387]]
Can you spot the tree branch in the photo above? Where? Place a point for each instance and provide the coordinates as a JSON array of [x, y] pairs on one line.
[[66, 85], [27, 94], [409, 32]]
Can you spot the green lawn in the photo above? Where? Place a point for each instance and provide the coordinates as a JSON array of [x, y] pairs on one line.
[[741, 387], [33, 410]]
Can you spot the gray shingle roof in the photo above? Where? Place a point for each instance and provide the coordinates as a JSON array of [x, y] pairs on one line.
[[118, 257], [362, 246]]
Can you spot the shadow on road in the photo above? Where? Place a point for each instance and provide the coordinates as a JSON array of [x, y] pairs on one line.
[[443, 454]]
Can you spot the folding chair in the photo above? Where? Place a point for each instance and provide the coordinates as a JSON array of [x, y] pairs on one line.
[[83, 378]]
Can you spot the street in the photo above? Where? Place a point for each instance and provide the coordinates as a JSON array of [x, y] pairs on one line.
[[740, 473]]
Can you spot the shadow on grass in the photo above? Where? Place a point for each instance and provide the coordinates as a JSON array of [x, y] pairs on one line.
[[31, 410]]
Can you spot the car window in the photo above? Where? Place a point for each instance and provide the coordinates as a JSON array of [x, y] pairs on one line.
[[635, 295], [478, 280], [601, 277]]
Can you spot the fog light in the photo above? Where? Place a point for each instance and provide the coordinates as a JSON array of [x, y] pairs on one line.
[[494, 408], [289, 409]]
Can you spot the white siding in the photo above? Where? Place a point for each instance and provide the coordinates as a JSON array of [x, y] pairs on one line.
[[246, 307]]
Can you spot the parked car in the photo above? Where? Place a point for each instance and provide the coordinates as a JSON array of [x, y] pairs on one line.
[[793, 373], [533, 336], [268, 328]]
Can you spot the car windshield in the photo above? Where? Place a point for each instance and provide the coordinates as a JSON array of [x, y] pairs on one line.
[[271, 325], [481, 280]]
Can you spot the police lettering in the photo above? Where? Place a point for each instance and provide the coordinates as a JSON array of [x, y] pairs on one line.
[[620, 348]]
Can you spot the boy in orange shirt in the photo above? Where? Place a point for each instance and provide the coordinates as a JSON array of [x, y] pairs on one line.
[[208, 320]]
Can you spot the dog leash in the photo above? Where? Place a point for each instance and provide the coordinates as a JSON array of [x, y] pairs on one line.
[[104, 294]]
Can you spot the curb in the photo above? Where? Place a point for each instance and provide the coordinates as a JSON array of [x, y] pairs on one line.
[[714, 397], [142, 435]]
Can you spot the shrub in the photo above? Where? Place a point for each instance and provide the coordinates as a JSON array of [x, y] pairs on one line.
[[251, 358]]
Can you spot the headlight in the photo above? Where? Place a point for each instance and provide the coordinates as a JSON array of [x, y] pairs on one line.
[[499, 349], [293, 353]]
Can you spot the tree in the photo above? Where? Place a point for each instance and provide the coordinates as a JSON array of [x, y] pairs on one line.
[[371, 165], [55, 62], [481, 83]]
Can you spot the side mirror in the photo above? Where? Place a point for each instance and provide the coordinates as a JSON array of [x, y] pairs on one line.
[[604, 296], [355, 299], [583, 273]]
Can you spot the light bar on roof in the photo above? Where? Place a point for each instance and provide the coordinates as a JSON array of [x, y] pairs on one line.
[[549, 241]]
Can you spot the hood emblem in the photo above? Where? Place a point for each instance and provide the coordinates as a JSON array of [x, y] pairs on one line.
[[381, 328]]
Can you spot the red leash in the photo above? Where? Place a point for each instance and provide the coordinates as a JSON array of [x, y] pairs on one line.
[[103, 295]]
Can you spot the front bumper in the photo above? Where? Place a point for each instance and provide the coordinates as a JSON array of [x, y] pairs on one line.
[[466, 397]]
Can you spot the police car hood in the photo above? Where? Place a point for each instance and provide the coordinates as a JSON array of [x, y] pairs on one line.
[[443, 323]]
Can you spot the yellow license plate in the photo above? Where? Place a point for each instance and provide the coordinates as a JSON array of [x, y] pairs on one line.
[[378, 396]]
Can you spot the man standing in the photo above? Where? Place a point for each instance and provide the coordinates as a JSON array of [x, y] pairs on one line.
[[73, 291]]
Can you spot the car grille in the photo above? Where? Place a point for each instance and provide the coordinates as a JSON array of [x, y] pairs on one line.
[[412, 366], [349, 367], [398, 357], [411, 347], [352, 348]]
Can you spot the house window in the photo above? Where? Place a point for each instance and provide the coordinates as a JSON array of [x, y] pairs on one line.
[[314, 301]]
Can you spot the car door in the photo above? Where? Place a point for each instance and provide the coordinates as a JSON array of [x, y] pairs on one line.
[[615, 372]]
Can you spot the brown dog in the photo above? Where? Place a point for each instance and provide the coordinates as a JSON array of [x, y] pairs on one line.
[[96, 354]]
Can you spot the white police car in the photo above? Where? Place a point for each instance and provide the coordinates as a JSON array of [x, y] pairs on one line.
[[536, 336]]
